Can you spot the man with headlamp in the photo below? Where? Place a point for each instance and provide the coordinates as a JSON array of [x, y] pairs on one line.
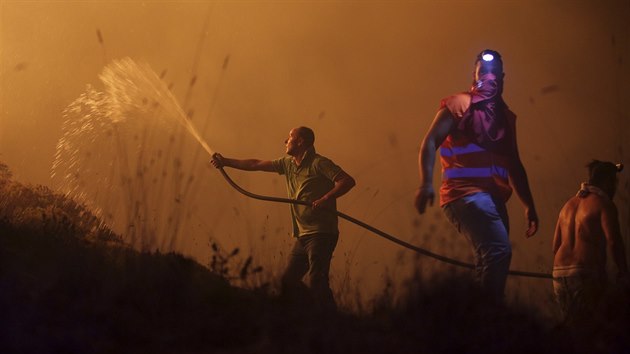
[[476, 135]]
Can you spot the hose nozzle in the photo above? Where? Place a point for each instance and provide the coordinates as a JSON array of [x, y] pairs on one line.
[[217, 161]]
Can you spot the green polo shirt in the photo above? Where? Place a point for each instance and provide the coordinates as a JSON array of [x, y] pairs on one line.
[[309, 181]]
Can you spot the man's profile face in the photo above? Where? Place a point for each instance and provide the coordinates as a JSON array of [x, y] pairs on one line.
[[293, 142]]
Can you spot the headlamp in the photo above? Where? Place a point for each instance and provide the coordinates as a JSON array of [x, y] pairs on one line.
[[487, 57]]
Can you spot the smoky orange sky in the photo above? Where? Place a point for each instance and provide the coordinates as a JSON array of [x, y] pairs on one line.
[[367, 77]]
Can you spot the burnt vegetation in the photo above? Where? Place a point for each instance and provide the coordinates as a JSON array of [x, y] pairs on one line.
[[68, 284]]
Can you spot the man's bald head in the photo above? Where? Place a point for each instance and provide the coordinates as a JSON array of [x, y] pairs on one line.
[[307, 135]]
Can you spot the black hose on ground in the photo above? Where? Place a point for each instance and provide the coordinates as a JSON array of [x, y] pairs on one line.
[[375, 230]]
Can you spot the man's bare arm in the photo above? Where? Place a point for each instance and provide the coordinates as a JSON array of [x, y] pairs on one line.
[[343, 183], [245, 164], [439, 130], [518, 178], [610, 225], [557, 236]]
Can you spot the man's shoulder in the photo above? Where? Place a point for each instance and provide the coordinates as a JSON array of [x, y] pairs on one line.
[[605, 203], [570, 204], [591, 204], [281, 164], [318, 157], [319, 160], [510, 115], [322, 163], [457, 104], [284, 158]]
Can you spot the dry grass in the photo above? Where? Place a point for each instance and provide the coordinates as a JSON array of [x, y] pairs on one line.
[[125, 153], [67, 284]]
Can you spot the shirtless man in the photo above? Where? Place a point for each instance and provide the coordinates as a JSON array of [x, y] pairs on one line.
[[587, 225]]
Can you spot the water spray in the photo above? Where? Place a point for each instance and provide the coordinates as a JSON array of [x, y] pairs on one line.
[[117, 154]]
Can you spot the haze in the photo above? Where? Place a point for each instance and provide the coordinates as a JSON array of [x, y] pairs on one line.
[[367, 77]]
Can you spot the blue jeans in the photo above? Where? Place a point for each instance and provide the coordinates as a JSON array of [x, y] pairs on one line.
[[311, 255], [484, 221]]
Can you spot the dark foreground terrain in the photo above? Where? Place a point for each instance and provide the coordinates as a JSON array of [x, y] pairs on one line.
[[68, 285]]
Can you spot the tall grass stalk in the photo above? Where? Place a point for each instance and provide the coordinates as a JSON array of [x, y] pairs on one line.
[[130, 130]]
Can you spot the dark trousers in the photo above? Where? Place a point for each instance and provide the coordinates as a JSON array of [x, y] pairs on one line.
[[311, 255], [579, 297]]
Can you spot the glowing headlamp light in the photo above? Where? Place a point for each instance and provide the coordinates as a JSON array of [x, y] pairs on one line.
[[487, 57]]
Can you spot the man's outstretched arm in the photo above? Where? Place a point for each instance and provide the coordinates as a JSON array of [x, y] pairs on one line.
[[245, 164]]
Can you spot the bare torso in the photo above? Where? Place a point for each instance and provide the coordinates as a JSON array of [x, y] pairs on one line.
[[579, 239]]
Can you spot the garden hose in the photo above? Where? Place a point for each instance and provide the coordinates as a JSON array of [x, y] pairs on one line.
[[375, 230]]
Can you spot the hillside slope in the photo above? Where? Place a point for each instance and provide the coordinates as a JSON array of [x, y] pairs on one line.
[[70, 285]]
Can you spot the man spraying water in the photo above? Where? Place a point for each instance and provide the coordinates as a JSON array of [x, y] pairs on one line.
[[312, 178]]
